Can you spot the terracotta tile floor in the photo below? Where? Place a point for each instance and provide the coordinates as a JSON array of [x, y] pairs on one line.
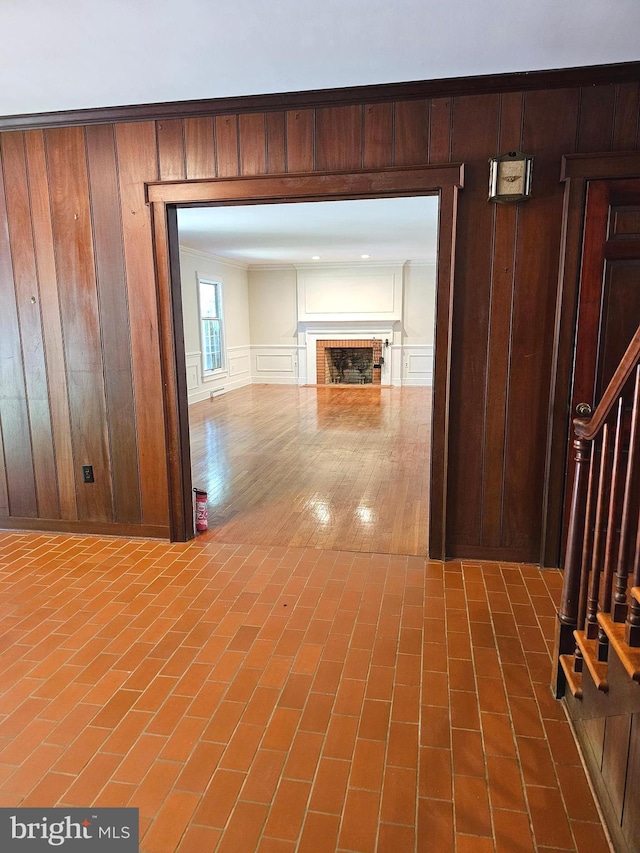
[[278, 699]]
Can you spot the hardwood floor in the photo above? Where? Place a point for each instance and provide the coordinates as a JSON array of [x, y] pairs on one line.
[[337, 468]]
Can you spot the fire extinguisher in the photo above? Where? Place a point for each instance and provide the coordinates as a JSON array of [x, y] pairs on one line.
[[202, 520]]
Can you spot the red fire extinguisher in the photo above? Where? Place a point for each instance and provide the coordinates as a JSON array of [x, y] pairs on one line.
[[202, 520]]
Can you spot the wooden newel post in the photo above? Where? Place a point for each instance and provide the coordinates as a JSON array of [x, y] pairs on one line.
[[568, 613]]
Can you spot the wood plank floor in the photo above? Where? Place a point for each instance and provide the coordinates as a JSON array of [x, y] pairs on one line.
[[338, 468]]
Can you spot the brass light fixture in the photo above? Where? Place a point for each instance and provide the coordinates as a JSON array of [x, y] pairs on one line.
[[510, 177]]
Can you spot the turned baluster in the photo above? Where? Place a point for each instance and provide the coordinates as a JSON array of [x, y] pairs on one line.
[[607, 586], [619, 611], [568, 613], [591, 628], [585, 560], [632, 625]]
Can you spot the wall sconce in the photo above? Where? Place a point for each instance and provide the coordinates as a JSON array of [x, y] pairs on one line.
[[510, 177]]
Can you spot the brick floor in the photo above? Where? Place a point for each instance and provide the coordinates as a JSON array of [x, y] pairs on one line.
[[287, 699]]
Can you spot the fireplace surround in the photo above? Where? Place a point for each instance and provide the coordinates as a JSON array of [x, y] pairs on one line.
[[324, 376]]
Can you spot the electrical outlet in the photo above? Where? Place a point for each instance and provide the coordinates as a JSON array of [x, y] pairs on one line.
[[87, 474]]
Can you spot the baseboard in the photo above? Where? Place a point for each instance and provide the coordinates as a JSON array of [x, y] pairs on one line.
[[99, 528], [205, 392]]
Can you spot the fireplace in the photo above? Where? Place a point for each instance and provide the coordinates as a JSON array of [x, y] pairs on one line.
[[349, 362]]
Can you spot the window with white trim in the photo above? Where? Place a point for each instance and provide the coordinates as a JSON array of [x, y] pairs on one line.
[[211, 325]]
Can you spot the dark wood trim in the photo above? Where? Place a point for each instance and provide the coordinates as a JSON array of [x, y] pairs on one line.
[[447, 87], [328, 186], [448, 217], [591, 167], [442, 180], [167, 256], [485, 552], [576, 171], [96, 528]]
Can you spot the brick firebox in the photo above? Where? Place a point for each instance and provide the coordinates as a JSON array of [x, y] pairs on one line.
[[321, 346]]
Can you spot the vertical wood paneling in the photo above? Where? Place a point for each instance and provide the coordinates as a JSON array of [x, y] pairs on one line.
[[338, 138], [199, 149], [627, 114], [227, 146], [440, 131], [630, 811], [549, 131], [615, 750], [378, 136], [411, 133], [253, 144], [28, 309], [471, 315], [114, 322], [137, 163], [71, 228], [501, 300], [14, 415], [300, 126], [596, 118], [171, 154], [51, 323], [276, 145]]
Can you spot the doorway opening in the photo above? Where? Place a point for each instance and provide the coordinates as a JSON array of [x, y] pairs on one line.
[[338, 293], [167, 198]]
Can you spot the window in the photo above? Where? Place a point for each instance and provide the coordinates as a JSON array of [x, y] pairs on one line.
[[211, 330]]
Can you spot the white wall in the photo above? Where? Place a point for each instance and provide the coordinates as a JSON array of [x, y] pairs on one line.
[[235, 295], [266, 343], [418, 323], [273, 317], [419, 303], [354, 292]]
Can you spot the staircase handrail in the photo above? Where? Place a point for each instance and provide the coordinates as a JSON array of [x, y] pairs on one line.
[[588, 428]]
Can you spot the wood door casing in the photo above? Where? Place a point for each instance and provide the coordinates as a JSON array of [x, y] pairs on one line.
[[579, 172], [609, 300], [445, 181]]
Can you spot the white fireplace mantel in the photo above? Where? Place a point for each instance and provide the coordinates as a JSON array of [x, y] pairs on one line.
[[310, 333]]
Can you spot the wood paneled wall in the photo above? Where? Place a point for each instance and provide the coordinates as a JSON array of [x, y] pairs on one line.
[[81, 379]]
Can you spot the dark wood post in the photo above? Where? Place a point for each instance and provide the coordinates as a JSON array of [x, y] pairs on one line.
[[568, 612]]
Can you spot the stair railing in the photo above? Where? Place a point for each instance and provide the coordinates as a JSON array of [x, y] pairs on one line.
[[603, 522]]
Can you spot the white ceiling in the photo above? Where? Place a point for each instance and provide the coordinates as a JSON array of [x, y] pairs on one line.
[[71, 54], [386, 229], [74, 54]]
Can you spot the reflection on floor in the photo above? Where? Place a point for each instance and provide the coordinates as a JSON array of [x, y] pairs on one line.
[[335, 467], [287, 699]]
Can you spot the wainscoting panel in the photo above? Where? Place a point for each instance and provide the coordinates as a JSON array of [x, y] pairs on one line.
[[417, 365], [193, 371], [240, 363], [274, 364], [236, 375]]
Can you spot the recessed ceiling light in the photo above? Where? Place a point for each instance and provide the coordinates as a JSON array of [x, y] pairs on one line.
[[364, 257], [315, 257]]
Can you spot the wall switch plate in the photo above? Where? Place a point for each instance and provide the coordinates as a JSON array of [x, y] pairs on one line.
[[87, 474]]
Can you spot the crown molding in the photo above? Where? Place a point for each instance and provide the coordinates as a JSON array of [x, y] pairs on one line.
[[560, 78], [207, 256], [305, 266], [279, 266]]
